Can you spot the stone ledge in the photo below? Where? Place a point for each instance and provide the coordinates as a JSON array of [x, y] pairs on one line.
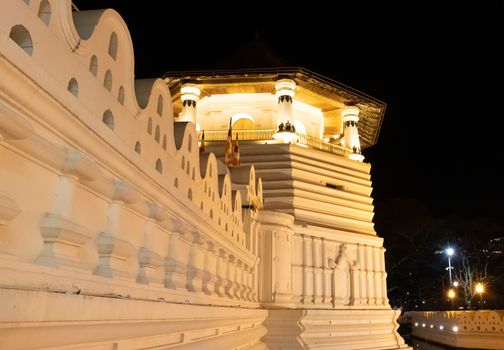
[[88, 322]]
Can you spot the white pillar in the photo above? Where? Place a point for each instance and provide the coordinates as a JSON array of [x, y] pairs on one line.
[[277, 230], [64, 196], [210, 269], [351, 140], [385, 299], [285, 92], [194, 272], [370, 275], [307, 270], [318, 272], [220, 283], [364, 296], [189, 94]]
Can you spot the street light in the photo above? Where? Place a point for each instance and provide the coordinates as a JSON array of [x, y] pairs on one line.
[[451, 295], [450, 251], [479, 289]]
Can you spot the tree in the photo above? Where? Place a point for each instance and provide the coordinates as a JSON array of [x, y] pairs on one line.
[[480, 262]]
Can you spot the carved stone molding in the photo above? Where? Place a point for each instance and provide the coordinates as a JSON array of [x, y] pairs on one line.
[[113, 253], [9, 209], [149, 262], [12, 125], [62, 240], [80, 165]]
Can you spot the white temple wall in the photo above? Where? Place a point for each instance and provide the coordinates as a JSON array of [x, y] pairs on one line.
[[112, 223]]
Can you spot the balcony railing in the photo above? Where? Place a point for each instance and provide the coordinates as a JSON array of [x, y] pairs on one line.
[[262, 135]]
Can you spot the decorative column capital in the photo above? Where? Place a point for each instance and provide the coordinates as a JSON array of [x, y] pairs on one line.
[[350, 113], [350, 117], [285, 87], [190, 92]]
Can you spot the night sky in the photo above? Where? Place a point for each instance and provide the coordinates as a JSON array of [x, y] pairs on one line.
[[437, 65]]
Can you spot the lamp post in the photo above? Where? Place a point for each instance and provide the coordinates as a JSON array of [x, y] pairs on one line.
[[479, 289], [451, 296], [450, 251]]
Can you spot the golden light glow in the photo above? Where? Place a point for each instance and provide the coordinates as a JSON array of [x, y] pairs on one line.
[[356, 156], [479, 288], [451, 293], [242, 121], [285, 137]]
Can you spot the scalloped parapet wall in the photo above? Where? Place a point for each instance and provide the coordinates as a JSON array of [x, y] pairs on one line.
[[85, 62], [116, 232]]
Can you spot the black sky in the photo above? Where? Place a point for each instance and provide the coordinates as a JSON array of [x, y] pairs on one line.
[[437, 65]]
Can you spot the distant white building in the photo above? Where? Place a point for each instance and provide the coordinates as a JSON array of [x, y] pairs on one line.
[[116, 232]]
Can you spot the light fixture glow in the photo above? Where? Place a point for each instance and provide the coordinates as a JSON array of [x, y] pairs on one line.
[[451, 293], [455, 328], [450, 251], [285, 137], [441, 327]]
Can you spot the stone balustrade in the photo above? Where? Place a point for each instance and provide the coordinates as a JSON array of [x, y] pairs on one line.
[[479, 329]]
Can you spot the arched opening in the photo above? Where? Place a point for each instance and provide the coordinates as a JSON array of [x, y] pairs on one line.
[[44, 11], [189, 143], [156, 134], [112, 49], [107, 81], [160, 106], [189, 194], [176, 183], [159, 166], [300, 128], [138, 147], [149, 126], [120, 95], [93, 65], [108, 119], [73, 87], [164, 142], [243, 121], [20, 35]]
